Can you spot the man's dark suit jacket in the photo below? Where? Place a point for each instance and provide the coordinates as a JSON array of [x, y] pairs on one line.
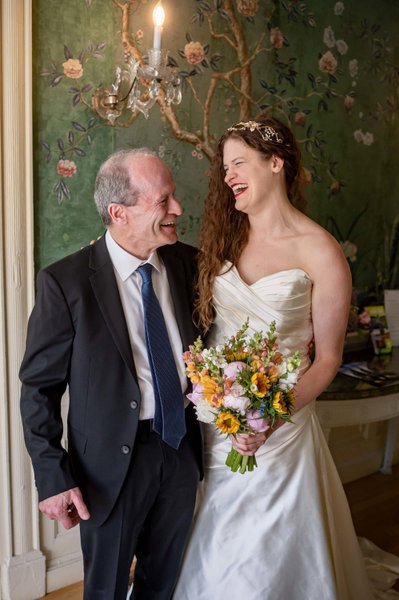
[[77, 337]]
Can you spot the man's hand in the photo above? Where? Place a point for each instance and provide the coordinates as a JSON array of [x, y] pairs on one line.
[[67, 508]]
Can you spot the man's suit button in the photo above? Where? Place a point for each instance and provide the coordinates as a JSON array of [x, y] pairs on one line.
[[133, 404], [125, 449]]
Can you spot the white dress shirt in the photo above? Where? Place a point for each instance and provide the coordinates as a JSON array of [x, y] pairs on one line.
[[129, 286]]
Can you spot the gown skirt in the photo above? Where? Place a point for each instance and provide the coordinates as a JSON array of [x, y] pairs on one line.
[[283, 531]]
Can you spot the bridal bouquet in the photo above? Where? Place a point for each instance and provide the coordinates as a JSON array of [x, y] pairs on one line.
[[242, 386]]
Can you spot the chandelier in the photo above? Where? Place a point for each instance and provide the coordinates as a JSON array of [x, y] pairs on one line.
[[143, 80]]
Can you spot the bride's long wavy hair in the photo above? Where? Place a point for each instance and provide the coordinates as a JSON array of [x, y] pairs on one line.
[[224, 230]]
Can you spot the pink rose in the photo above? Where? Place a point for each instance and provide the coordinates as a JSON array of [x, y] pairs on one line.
[[233, 368], [256, 422], [194, 53], [73, 68], [197, 393], [66, 168]]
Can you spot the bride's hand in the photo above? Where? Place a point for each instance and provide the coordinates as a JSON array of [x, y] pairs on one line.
[[248, 444]]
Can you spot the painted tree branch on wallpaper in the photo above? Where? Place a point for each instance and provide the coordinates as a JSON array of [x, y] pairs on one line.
[[241, 57], [229, 24]]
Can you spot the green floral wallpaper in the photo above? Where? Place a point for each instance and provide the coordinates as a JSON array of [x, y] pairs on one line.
[[330, 69]]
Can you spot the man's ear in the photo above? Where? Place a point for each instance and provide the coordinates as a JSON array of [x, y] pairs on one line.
[[277, 163], [117, 212]]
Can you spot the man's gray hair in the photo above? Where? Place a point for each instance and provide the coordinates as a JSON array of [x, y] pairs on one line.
[[113, 183]]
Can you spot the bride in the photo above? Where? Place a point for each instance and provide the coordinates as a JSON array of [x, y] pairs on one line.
[[283, 531]]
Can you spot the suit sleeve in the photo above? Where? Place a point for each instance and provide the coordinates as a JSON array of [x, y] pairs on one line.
[[44, 375]]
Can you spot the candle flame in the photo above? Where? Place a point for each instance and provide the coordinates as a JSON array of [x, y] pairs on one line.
[[158, 15]]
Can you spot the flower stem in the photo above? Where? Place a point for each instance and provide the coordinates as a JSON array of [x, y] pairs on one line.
[[239, 462]]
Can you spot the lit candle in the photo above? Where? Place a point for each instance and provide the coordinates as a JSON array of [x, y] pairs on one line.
[[158, 17]]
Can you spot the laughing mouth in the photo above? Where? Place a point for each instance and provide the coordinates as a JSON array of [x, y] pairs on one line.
[[238, 189], [169, 224]]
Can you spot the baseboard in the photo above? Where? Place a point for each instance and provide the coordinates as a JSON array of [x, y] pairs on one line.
[[23, 577], [64, 571]]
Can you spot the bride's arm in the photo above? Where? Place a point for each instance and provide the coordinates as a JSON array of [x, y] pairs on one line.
[[331, 296]]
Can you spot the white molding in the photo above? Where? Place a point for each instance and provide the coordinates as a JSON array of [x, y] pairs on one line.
[[24, 576], [22, 563]]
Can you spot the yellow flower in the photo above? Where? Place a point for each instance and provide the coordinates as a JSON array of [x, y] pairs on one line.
[[256, 363], [262, 384], [279, 404], [291, 396], [228, 423], [273, 372], [210, 387], [238, 355]]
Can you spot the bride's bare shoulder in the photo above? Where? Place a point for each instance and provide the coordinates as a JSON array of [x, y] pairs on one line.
[[319, 249]]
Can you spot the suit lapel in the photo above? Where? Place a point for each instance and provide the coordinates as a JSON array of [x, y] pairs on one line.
[[105, 289]]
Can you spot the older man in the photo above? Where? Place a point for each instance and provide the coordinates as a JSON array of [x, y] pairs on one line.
[[111, 322]]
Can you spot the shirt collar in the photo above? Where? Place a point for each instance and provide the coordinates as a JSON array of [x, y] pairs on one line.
[[124, 262]]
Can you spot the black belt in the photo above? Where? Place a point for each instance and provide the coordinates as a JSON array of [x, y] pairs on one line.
[[144, 428]]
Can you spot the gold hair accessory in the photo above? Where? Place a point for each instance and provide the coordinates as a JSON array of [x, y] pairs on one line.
[[267, 133]]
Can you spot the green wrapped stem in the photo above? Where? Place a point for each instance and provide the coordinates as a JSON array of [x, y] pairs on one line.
[[239, 462]]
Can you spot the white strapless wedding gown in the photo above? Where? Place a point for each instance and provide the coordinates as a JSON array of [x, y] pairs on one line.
[[284, 531]]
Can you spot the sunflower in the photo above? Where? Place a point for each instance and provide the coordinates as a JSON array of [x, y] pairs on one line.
[[290, 396], [234, 355], [210, 387], [227, 422], [260, 384], [279, 404]]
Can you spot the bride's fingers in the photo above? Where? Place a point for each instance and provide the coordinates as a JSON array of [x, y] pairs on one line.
[[248, 444]]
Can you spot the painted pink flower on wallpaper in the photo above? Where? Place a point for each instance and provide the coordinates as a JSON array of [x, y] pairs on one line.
[[66, 168], [80, 135], [248, 8], [276, 37], [73, 68], [194, 53], [328, 62]]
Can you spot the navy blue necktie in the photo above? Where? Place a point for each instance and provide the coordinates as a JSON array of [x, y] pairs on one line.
[[169, 420]]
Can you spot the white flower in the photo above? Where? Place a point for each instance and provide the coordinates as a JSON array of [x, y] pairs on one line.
[[204, 412], [281, 368], [363, 138], [288, 382], [342, 47], [368, 139], [358, 135], [236, 402], [350, 250], [353, 67], [214, 356], [329, 37], [339, 8]]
